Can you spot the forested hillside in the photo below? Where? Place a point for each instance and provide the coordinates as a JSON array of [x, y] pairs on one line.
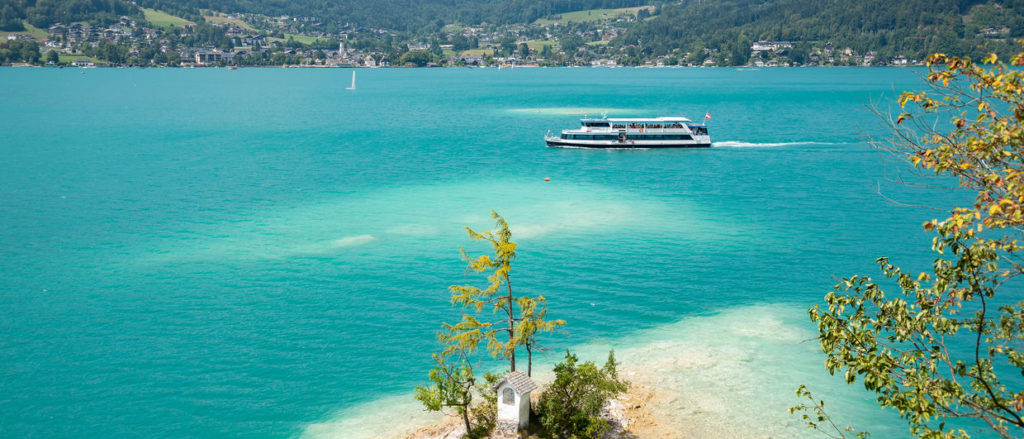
[[905, 26], [909, 27], [493, 32], [43, 13], [401, 15]]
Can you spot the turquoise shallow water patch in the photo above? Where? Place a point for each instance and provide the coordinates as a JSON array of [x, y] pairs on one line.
[[427, 217], [732, 373]]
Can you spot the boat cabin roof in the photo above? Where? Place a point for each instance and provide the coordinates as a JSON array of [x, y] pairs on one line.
[[638, 120]]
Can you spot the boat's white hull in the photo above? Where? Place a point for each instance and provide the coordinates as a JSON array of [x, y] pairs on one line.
[[696, 142]]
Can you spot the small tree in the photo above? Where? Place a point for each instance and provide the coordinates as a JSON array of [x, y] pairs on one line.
[[571, 405], [943, 346], [451, 385], [533, 322], [468, 333], [522, 317]]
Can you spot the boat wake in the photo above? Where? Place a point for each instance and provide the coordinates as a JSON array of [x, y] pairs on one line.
[[737, 144]]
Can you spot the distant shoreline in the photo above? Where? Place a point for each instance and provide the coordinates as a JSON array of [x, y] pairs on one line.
[[463, 67]]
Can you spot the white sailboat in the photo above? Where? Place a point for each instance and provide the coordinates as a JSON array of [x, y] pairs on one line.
[[353, 87]]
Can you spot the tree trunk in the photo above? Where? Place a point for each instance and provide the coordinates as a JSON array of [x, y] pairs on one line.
[[529, 360], [465, 418], [511, 326], [512, 354]]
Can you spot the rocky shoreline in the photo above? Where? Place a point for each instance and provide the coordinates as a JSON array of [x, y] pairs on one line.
[[630, 416]]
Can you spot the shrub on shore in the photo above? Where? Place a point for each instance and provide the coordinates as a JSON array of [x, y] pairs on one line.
[[571, 406]]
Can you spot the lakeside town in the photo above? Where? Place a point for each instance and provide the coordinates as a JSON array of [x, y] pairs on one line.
[[234, 40]]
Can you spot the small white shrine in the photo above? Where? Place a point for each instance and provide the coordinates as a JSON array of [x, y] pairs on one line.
[[514, 401]]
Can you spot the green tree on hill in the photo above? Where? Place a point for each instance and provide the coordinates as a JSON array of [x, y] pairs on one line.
[[524, 50], [10, 19], [19, 51], [418, 57]]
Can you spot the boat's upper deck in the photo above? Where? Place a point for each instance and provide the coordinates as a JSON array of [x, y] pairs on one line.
[[639, 120], [649, 124]]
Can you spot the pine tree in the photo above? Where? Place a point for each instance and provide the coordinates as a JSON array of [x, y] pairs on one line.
[[468, 333], [522, 317]]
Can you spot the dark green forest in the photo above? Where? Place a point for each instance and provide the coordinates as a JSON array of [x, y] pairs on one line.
[[909, 27], [43, 13]]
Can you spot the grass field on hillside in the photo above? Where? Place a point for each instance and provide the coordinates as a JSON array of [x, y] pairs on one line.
[[68, 59], [592, 15], [216, 18], [480, 52], [37, 33], [300, 38], [160, 18], [538, 45]]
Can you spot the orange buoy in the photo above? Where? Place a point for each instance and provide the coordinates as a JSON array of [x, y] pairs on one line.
[[547, 179]]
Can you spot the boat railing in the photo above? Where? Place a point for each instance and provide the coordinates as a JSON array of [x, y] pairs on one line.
[[657, 130]]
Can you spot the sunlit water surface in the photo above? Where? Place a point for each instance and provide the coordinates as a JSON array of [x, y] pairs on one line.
[[261, 253]]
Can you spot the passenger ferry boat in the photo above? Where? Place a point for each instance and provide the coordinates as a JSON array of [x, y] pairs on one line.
[[658, 132]]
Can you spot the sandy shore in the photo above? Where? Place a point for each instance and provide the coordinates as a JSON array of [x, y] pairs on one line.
[[631, 416]]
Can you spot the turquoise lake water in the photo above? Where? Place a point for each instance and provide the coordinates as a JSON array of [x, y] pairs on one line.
[[261, 253]]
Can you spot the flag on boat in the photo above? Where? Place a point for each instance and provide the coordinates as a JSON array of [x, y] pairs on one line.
[[707, 116]]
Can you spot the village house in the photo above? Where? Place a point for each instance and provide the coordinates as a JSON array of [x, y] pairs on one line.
[[992, 31], [206, 56], [471, 60], [253, 40], [774, 46]]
